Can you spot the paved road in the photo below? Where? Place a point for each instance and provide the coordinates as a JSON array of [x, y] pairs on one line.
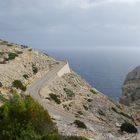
[[34, 90]]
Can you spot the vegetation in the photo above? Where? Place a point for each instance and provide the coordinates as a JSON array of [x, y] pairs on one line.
[[12, 56], [122, 113], [0, 84], [89, 100], [22, 116], [2, 98], [9, 44], [93, 91], [35, 69], [55, 97], [80, 124], [69, 92], [80, 112], [128, 127], [18, 84], [25, 76]]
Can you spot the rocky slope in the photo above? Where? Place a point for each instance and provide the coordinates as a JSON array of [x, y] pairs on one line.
[[76, 107], [131, 88]]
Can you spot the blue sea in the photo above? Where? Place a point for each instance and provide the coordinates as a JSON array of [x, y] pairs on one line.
[[103, 68]]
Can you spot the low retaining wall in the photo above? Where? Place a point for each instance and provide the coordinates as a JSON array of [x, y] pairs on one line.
[[64, 70]]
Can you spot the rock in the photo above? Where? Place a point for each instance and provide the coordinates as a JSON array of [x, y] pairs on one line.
[[131, 88]]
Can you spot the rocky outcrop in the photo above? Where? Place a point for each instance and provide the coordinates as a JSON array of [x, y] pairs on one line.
[[131, 88]]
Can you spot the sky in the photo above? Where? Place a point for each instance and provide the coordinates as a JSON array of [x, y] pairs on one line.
[[71, 23]]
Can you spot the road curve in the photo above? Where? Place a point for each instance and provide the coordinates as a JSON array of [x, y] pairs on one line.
[[34, 90]]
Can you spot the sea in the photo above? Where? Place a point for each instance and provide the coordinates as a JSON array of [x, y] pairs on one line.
[[103, 68]]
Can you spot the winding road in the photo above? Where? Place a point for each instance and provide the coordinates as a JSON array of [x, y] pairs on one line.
[[35, 88]]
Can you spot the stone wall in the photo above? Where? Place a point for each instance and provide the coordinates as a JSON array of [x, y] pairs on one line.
[[64, 70]]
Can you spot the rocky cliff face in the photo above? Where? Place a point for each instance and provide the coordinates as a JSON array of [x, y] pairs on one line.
[[131, 88]]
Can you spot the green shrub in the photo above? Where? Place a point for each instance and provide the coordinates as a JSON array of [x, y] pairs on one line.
[[128, 127], [55, 97], [12, 56], [9, 45], [35, 69], [80, 124], [80, 112], [69, 92], [18, 84], [89, 100], [22, 117], [93, 91], [0, 84], [3, 99], [25, 76]]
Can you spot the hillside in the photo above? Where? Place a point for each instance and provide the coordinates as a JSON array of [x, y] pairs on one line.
[[75, 106]]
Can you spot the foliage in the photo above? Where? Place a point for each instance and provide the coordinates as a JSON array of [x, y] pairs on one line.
[[12, 56], [2, 98], [80, 124], [25, 76], [35, 69], [18, 84], [122, 113], [93, 91], [0, 84], [69, 92], [128, 127], [22, 116], [55, 98]]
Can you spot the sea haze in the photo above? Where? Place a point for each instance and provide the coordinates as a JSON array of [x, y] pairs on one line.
[[104, 69]]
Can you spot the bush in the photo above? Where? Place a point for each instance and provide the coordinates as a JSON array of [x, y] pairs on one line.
[[3, 99], [0, 84], [93, 91], [22, 117], [25, 76], [80, 124], [35, 69], [18, 84], [55, 98], [128, 127], [12, 56], [69, 92]]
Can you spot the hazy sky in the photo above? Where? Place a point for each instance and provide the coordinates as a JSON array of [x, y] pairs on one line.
[[71, 23]]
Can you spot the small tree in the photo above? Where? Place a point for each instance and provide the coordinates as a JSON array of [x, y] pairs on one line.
[[18, 84]]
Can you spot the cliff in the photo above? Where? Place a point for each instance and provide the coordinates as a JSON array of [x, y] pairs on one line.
[[131, 88], [75, 106]]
